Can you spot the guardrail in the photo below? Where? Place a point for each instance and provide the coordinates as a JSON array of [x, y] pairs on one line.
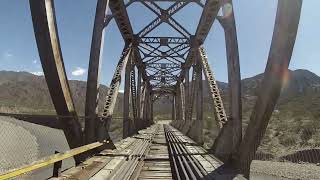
[[55, 159]]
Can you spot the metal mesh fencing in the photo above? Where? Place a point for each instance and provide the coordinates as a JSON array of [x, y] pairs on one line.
[[23, 143]]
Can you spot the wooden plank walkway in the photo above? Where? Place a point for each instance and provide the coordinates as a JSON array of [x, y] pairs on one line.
[[157, 164], [143, 156]]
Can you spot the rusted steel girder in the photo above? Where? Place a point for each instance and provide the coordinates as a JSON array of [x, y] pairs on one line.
[[128, 124], [121, 17], [139, 100], [134, 94], [164, 16], [220, 114], [207, 18], [92, 93], [142, 105], [163, 40], [196, 1], [187, 92], [229, 138], [120, 14], [195, 126], [173, 112], [283, 40], [46, 34], [189, 107], [115, 83]]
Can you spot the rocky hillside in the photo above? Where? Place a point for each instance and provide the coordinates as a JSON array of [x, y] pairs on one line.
[[295, 123], [23, 92]]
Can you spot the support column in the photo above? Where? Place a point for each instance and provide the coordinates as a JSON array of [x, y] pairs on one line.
[[187, 95], [179, 105], [284, 36], [133, 128], [183, 103], [92, 93], [139, 100], [151, 111], [199, 106], [173, 109], [147, 107], [126, 100], [111, 98], [196, 126], [228, 141], [143, 107], [192, 96], [46, 34]]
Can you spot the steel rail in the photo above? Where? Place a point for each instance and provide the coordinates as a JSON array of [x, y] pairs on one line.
[[191, 158], [128, 169], [182, 162]]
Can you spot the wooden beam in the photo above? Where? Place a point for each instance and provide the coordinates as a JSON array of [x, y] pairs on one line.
[[284, 36]]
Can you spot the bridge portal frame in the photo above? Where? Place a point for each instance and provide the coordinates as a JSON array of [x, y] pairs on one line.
[[229, 145]]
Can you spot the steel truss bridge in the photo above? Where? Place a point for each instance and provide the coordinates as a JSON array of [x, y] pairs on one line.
[[165, 66]]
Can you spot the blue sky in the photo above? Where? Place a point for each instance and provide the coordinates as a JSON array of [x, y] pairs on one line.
[[254, 19]]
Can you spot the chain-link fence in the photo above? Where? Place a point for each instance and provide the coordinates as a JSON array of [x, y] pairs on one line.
[[23, 143]]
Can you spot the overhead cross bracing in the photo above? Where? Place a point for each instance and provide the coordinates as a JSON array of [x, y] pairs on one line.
[[163, 56], [155, 66]]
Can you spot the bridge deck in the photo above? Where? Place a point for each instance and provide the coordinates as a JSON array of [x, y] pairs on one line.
[[158, 152]]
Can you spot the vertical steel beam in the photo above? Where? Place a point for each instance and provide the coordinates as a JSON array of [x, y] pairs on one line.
[[111, 98], [173, 109], [151, 112], [133, 128], [113, 91], [199, 105], [179, 103], [183, 102], [149, 102], [146, 103], [187, 126], [46, 34], [126, 100], [284, 36], [228, 141], [139, 99], [187, 93], [194, 129], [92, 93]]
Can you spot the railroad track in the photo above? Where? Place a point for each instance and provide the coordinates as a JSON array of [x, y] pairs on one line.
[[158, 152]]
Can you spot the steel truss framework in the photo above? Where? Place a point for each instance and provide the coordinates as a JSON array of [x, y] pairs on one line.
[[158, 67]]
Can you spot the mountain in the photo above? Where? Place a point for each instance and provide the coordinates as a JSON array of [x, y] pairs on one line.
[[294, 125], [23, 92]]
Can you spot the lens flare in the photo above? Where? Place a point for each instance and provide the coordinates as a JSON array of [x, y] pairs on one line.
[[227, 10]]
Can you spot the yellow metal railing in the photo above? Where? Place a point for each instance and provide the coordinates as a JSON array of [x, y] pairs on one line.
[[50, 160]]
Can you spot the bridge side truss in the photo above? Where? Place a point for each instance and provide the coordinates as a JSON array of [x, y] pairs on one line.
[[147, 78]]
